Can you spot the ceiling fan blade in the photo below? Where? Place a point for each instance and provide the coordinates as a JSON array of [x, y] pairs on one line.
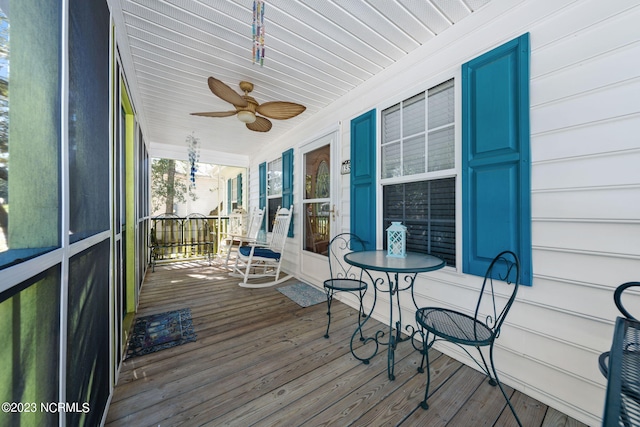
[[224, 92], [260, 125], [216, 114], [280, 110]]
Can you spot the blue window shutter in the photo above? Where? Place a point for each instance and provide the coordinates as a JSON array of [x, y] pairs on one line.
[[287, 183], [363, 178], [228, 196], [262, 188], [496, 183], [239, 195]]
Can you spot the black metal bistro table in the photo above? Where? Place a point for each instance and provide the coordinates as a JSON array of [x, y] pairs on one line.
[[400, 276]]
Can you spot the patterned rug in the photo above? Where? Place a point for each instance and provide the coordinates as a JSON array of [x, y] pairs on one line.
[[160, 331], [303, 294]]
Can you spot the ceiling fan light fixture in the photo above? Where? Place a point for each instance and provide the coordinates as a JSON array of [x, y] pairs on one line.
[[246, 106], [246, 116]]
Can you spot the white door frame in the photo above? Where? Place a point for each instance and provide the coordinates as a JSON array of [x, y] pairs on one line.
[[314, 267]]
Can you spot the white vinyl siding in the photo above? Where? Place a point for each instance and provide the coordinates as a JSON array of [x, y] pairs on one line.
[[585, 197]]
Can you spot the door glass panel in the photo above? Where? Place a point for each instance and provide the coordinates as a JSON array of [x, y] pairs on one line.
[[317, 227], [317, 200]]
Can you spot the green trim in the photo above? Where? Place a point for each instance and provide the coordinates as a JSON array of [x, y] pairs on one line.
[[126, 102], [130, 212], [130, 201]]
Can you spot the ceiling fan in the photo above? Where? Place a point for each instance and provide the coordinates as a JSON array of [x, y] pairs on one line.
[[247, 106]]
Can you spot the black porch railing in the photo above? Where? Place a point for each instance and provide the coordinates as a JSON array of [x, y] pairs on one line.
[[177, 238]]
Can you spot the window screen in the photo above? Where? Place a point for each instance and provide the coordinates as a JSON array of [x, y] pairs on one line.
[[274, 204], [413, 145], [30, 337], [88, 372], [274, 190], [428, 210], [234, 190], [30, 52], [441, 127], [274, 177], [88, 118]]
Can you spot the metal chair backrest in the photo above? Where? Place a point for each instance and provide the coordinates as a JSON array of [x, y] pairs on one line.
[[167, 228], [255, 222], [617, 298], [621, 367], [505, 267], [196, 228], [280, 229], [339, 246]]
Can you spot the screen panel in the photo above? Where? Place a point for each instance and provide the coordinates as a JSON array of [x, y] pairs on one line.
[[30, 350], [88, 369]]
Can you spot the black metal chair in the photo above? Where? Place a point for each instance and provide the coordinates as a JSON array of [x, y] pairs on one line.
[[603, 360], [478, 330], [344, 277], [617, 298], [621, 367]]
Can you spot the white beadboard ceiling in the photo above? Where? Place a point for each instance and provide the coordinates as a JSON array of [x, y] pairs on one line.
[[315, 52]]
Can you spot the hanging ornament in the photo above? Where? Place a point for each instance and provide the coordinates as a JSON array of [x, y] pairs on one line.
[[194, 157], [258, 32]]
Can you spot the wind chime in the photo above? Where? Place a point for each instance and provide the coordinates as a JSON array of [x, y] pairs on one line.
[[258, 32], [194, 156]]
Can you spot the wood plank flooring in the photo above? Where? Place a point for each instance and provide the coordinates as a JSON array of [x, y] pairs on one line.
[[262, 360]]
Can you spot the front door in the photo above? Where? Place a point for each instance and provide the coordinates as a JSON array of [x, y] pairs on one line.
[[319, 213]]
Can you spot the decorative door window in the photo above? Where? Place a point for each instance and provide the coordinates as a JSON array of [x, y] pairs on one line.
[[317, 201]]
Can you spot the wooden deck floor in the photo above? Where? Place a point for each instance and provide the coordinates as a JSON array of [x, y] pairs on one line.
[[260, 359]]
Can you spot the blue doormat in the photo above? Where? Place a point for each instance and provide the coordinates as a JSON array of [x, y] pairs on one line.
[[303, 294], [160, 331]]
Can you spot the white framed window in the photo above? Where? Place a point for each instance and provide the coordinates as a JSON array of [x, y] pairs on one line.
[[274, 190], [418, 170], [233, 200]]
